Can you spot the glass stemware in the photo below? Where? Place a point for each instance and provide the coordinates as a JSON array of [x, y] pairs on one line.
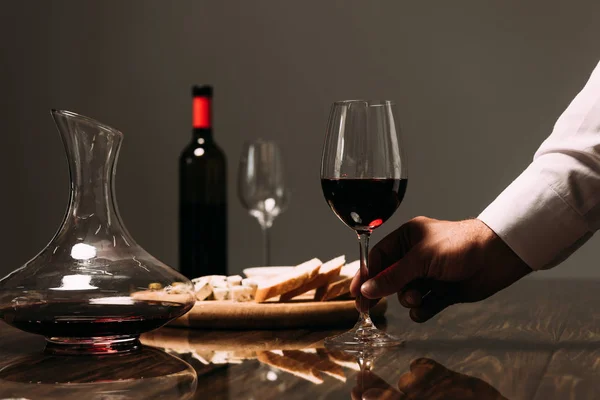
[[363, 177], [261, 186]]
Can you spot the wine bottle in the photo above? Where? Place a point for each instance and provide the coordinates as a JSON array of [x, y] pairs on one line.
[[202, 195]]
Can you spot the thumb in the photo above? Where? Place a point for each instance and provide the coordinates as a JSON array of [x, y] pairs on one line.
[[395, 277]]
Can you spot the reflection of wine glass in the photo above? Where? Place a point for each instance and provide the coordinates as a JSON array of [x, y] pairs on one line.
[[261, 186], [363, 176]]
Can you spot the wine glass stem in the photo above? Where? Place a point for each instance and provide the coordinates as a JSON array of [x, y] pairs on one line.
[[266, 245], [364, 320]]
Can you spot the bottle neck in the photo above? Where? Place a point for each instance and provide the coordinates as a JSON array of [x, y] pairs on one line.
[[202, 117], [202, 133]]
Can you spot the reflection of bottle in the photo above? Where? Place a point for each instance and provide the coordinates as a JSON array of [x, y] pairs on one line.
[[202, 196]]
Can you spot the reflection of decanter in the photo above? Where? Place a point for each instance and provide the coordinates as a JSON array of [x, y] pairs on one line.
[[146, 374], [93, 289]]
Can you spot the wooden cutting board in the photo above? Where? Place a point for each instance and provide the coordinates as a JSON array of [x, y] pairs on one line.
[[273, 315]]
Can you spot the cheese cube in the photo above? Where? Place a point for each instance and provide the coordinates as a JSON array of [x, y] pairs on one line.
[[220, 293], [201, 279], [203, 290], [242, 293], [253, 283], [218, 281], [177, 288], [234, 280]]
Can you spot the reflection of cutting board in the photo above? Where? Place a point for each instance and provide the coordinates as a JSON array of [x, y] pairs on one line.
[[273, 315], [187, 340]]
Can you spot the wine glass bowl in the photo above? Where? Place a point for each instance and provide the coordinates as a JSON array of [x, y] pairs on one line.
[[364, 179], [261, 185], [364, 204]]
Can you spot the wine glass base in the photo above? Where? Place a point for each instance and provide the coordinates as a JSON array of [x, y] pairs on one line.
[[93, 345], [361, 338]]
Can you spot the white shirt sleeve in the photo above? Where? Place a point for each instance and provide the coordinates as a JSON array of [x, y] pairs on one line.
[[553, 207]]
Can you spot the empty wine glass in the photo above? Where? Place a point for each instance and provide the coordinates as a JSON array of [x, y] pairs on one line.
[[261, 186], [363, 177]]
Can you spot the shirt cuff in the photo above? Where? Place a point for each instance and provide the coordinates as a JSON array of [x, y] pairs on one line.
[[534, 221]]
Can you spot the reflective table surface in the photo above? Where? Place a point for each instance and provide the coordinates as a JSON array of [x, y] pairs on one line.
[[539, 339]]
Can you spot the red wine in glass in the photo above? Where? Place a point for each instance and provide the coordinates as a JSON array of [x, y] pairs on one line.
[[364, 204]]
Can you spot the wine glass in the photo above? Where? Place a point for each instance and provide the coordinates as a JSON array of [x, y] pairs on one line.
[[363, 177], [261, 186]]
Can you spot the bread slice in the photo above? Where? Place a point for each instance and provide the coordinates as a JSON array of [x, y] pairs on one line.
[[265, 272], [340, 284], [350, 269], [323, 364], [328, 271], [312, 267], [276, 286], [290, 365]]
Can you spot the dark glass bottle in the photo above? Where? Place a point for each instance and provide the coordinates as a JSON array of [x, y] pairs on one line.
[[202, 195]]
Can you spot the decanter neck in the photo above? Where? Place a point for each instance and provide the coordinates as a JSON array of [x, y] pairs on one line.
[[92, 150]]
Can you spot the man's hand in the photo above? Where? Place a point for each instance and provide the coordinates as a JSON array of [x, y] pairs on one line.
[[433, 264], [432, 381], [426, 379]]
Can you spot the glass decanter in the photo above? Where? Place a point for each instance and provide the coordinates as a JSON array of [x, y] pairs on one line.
[[93, 289]]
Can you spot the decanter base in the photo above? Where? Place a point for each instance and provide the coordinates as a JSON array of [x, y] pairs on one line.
[[93, 345]]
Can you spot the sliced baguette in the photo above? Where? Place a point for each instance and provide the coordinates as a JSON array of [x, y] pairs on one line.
[[276, 286], [323, 364], [350, 269], [328, 272], [340, 285], [312, 267], [265, 272], [290, 365]]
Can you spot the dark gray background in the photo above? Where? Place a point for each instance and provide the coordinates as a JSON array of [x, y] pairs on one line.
[[479, 85]]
